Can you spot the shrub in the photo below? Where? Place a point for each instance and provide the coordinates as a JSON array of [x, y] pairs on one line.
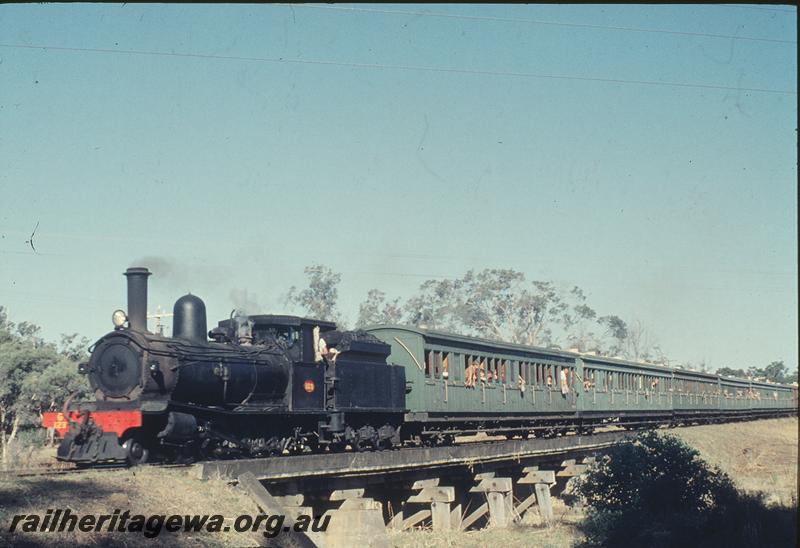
[[657, 492]]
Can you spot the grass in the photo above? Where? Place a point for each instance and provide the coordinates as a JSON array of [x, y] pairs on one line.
[[758, 455], [147, 491]]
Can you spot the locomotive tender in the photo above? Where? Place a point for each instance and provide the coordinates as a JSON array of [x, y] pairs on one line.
[[261, 387]]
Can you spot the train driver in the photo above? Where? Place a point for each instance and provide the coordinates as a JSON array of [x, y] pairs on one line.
[[327, 353]]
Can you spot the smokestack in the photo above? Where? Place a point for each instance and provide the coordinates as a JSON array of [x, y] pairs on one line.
[[137, 297]]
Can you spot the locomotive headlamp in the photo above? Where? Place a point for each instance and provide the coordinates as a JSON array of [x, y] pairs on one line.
[[119, 318]]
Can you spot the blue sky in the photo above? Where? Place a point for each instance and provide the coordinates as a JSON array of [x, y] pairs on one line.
[[240, 143]]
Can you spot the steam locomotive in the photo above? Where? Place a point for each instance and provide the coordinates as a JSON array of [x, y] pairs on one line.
[[267, 385], [259, 387]]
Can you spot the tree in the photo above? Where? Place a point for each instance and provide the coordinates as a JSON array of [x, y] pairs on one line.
[[500, 304], [730, 372], [376, 310], [494, 303], [538, 312], [640, 344], [574, 318], [74, 347], [319, 299], [777, 372], [437, 305], [617, 331], [34, 377]]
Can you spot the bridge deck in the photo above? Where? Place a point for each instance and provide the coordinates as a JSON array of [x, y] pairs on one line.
[[415, 458]]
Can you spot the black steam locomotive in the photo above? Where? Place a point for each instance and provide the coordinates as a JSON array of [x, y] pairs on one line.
[[260, 387]]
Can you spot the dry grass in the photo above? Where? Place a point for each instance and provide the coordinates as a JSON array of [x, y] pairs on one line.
[[559, 536], [758, 455], [146, 491]]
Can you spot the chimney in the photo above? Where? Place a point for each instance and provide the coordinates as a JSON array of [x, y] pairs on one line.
[[137, 297]]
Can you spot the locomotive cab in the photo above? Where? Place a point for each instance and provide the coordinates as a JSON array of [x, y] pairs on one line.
[[296, 333]]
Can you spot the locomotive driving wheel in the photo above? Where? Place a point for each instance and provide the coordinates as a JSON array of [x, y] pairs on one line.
[[135, 452]]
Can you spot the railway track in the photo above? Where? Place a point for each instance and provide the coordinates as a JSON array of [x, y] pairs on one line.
[[309, 464], [74, 470]]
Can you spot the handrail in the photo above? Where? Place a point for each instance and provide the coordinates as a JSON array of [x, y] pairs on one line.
[[401, 343]]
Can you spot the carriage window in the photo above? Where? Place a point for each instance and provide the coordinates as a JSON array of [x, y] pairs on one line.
[[428, 366], [502, 368], [437, 364], [446, 365]]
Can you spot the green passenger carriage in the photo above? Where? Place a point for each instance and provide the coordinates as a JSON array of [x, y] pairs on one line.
[[522, 390]]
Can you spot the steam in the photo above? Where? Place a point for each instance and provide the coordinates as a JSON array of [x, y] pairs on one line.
[[246, 303], [167, 271], [178, 275]]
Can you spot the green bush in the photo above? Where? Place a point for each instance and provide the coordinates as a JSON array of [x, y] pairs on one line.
[[657, 492]]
